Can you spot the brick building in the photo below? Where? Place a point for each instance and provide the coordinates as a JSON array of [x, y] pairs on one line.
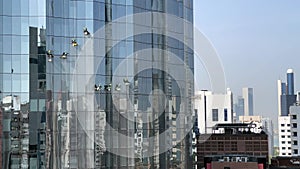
[[236, 139], [235, 162]]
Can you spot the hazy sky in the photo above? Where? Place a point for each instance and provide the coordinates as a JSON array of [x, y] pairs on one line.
[[257, 41]]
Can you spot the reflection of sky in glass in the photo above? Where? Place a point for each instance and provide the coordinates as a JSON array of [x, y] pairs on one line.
[[17, 17]]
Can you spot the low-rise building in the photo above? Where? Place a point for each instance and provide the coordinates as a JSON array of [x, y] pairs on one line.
[[285, 162], [237, 138], [235, 162], [261, 124]]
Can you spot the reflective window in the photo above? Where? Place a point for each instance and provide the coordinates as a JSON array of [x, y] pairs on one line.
[[16, 83], [33, 105], [6, 64]]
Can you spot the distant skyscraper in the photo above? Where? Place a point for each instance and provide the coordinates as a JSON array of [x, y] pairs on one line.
[[281, 91], [286, 95], [239, 107], [290, 81], [286, 99], [248, 101]]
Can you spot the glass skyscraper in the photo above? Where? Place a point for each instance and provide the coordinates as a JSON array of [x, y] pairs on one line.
[[63, 104], [286, 97], [290, 82], [22, 82]]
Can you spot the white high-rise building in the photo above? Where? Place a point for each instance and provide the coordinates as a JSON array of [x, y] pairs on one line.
[[248, 101], [213, 108], [295, 129], [285, 142], [286, 100]]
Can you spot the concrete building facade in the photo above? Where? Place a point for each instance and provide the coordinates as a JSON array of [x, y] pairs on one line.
[[285, 141], [213, 108], [295, 129]]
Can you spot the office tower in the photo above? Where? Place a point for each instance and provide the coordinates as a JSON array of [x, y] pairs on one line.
[[239, 107], [125, 105], [286, 99], [248, 101], [213, 108], [22, 70], [286, 95], [290, 81], [281, 87], [40, 46]]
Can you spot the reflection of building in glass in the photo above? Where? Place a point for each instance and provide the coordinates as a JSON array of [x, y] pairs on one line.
[[68, 128], [89, 122], [37, 95], [22, 81], [15, 133]]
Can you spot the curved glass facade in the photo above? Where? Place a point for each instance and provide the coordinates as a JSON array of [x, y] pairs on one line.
[[74, 84], [22, 82]]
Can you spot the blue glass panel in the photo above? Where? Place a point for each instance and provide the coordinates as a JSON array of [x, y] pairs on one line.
[[7, 25], [16, 82], [16, 45], [33, 8], [7, 83], [25, 7], [7, 7], [25, 64], [7, 44], [6, 64], [16, 8], [25, 82], [16, 63]]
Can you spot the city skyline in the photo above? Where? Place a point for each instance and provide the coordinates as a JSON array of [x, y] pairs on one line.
[[257, 41]]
